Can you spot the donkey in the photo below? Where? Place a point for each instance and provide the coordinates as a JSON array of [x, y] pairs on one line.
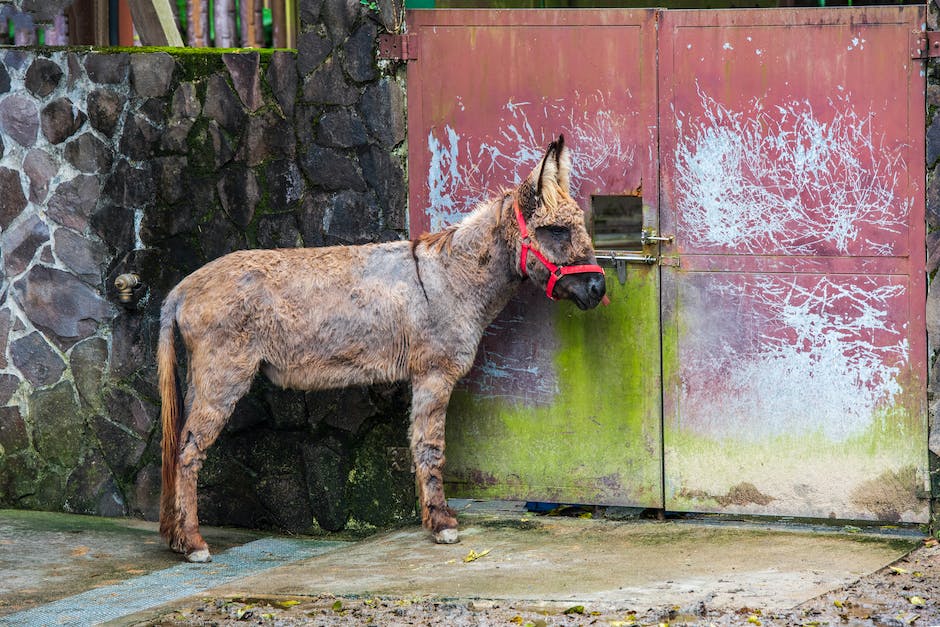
[[316, 318]]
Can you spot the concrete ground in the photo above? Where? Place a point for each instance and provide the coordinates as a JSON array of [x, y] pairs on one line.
[[62, 569]]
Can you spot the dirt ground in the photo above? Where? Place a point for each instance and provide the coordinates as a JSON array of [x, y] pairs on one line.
[[904, 593]]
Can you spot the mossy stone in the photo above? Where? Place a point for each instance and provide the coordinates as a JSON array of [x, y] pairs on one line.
[[57, 424]]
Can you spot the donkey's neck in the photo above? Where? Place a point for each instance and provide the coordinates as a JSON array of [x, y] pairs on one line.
[[479, 259]]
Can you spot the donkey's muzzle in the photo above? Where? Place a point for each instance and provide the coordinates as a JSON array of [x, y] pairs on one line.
[[586, 290], [597, 288]]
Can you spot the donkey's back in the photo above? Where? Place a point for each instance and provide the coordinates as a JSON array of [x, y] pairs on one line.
[[309, 317]]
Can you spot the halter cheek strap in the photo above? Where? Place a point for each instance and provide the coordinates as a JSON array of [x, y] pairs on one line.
[[555, 272]]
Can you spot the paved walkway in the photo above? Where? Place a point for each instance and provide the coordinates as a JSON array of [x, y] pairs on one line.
[[58, 569]]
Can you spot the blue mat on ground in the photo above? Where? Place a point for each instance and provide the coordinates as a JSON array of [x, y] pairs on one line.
[[141, 593]]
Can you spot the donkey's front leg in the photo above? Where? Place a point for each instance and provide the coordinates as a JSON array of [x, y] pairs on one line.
[[430, 395]]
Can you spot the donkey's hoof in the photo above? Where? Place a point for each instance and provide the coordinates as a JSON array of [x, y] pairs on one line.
[[447, 536], [200, 557]]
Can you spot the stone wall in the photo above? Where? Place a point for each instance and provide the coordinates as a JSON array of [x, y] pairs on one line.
[[156, 162]]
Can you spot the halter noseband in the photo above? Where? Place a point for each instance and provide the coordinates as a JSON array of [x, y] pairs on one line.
[[555, 272]]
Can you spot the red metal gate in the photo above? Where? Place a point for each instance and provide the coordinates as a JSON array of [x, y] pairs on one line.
[[792, 178], [783, 150]]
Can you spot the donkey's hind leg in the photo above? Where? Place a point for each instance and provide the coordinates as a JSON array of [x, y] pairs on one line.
[[215, 390], [430, 395]]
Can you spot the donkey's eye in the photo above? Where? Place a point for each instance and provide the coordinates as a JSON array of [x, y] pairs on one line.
[[560, 232]]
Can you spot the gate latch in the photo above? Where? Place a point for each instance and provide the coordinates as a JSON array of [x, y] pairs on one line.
[[649, 237], [925, 44]]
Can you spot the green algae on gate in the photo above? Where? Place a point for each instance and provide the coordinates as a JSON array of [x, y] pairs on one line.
[[598, 440]]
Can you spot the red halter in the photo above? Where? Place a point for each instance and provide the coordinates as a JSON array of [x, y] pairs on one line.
[[555, 272]]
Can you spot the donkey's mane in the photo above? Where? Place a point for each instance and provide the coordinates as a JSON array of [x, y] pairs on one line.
[[441, 240]]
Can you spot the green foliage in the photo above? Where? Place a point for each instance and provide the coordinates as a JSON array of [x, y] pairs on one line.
[[370, 4]]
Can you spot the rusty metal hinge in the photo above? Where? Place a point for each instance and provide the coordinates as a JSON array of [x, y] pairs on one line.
[[398, 47], [925, 44]]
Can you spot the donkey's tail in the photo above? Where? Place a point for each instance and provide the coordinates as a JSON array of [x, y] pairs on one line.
[[170, 413]]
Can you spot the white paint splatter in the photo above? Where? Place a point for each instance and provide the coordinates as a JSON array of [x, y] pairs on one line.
[[782, 179], [443, 177], [823, 357], [728, 46], [458, 181]]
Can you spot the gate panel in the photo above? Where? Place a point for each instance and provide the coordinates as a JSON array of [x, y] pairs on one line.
[[562, 405], [794, 352]]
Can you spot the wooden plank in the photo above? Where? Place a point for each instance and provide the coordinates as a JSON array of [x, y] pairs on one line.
[[279, 17], [250, 22], [154, 22], [197, 23]]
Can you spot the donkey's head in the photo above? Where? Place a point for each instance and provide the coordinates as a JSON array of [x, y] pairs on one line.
[[554, 247]]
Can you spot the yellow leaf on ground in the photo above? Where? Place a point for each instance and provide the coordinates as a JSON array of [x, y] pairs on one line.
[[473, 555], [918, 601], [574, 609], [286, 604], [753, 619], [337, 606], [897, 571]]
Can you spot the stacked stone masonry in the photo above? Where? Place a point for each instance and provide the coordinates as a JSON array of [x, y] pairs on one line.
[[157, 162]]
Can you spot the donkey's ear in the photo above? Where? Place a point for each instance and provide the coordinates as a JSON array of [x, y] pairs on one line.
[[563, 163], [554, 171], [550, 179]]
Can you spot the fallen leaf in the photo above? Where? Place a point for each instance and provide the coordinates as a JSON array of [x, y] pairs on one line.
[[79, 551], [286, 604], [516, 619], [851, 529], [574, 609], [897, 571], [753, 619], [337, 606], [917, 573], [918, 601], [838, 603], [473, 555]]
